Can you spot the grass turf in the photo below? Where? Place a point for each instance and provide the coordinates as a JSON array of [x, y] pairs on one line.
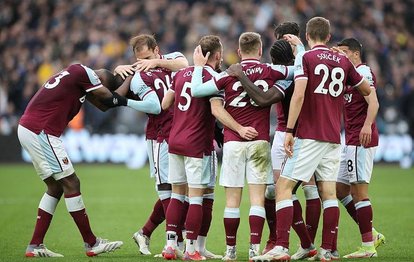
[[119, 200]]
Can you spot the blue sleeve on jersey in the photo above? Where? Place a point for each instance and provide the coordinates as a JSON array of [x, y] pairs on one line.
[[365, 71], [300, 49], [298, 70], [200, 89], [290, 72], [150, 104], [138, 86], [93, 77]]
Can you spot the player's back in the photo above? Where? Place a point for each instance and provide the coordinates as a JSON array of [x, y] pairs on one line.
[[192, 129], [327, 73], [356, 108], [240, 106], [158, 126], [59, 100], [282, 108]]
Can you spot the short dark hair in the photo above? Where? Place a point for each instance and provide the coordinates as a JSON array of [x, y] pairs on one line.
[[281, 53], [318, 28], [249, 42], [210, 43], [352, 43], [138, 42], [108, 79], [286, 28]]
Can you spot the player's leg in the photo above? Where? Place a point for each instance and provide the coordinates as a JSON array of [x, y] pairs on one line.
[[258, 175], [232, 178], [174, 213], [360, 176], [158, 159], [208, 200], [326, 175], [313, 207]]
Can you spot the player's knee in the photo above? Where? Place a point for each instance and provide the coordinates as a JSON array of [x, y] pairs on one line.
[[70, 184], [270, 192], [55, 190], [164, 187]]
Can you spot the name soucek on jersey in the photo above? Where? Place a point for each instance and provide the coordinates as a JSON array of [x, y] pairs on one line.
[[328, 74], [59, 100], [356, 108]]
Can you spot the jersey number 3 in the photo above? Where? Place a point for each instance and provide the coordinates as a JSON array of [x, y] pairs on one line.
[[336, 84]]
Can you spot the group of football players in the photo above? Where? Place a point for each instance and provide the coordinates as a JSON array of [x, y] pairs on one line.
[[186, 105]]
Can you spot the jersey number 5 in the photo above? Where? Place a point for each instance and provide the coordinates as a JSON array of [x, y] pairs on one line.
[[336, 84], [184, 94]]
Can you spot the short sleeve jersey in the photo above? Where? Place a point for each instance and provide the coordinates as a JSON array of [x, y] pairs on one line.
[[327, 74], [356, 109], [192, 131], [59, 100], [240, 106], [282, 108], [156, 80]]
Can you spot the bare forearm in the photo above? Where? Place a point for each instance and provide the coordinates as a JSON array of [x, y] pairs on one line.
[[174, 64], [225, 118], [294, 109], [371, 113]]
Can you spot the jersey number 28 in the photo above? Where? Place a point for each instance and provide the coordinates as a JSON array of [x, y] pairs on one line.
[[336, 84]]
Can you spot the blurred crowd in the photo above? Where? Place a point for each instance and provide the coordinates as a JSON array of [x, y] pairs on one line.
[[40, 37]]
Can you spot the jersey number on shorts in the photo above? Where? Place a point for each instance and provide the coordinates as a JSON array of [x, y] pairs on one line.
[[336, 84], [186, 96], [57, 80], [237, 101]]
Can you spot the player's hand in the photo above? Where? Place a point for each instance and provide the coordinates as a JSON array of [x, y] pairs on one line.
[[289, 142], [338, 50], [365, 135], [146, 64], [125, 70], [199, 58], [292, 39], [248, 132], [235, 70]]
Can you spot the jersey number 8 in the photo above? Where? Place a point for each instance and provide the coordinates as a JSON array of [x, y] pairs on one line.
[[336, 84]]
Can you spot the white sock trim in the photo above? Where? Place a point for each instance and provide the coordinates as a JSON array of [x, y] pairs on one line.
[[346, 200], [230, 212], [330, 203], [74, 204], [311, 192], [209, 196], [362, 204], [283, 204], [178, 197], [196, 201], [257, 211], [164, 194], [48, 203]]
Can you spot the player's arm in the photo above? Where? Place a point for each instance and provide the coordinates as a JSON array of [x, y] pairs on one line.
[[226, 119], [149, 103], [198, 88], [364, 88], [262, 98], [373, 106], [174, 65], [168, 99]]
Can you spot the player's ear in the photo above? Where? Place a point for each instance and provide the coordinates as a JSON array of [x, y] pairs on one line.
[[238, 52], [157, 50], [307, 37], [328, 38]]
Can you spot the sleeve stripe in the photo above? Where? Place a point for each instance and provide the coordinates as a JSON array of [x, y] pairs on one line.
[[216, 97], [301, 77], [149, 91], [281, 90], [360, 82], [94, 88]]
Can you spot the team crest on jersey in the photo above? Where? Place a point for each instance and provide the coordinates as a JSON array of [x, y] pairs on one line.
[[149, 74], [65, 161]]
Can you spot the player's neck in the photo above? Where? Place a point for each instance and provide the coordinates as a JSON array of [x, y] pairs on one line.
[[313, 43], [250, 57]]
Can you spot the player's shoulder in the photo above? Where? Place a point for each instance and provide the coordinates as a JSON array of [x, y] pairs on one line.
[[366, 72]]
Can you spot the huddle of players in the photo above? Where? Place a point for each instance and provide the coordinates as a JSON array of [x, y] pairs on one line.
[[182, 109]]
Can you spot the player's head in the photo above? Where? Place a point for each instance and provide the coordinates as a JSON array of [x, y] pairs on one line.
[[212, 44], [108, 79], [250, 45], [352, 48], [286, 28], [281, 53], [145, 47], [318, 30]]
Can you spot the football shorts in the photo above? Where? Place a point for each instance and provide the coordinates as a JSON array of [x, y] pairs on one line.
[[158, 160], [47, 153], [191, 170], [278, 150]]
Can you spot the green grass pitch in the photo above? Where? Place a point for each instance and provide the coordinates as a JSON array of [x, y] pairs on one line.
[[119, 201]]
